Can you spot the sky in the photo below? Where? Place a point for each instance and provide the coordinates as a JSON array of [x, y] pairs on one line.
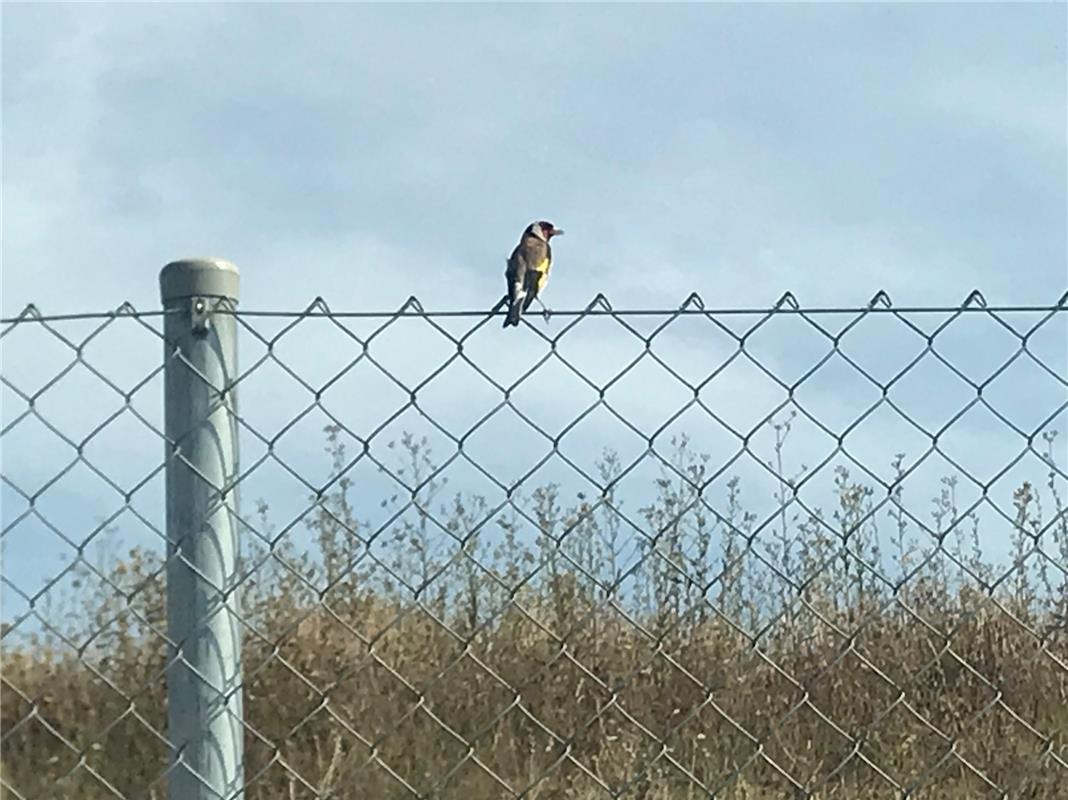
[[367, 153]]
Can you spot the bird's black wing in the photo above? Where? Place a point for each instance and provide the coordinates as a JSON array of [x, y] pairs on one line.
[[516, 273], [516, 276]]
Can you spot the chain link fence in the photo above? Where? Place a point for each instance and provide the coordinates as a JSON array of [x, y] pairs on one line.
[[689, 553]]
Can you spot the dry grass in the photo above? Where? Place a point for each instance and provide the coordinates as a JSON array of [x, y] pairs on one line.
[[489, 685]]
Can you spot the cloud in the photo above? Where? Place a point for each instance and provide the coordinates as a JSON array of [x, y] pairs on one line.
[[1025, 103], [677, 165]]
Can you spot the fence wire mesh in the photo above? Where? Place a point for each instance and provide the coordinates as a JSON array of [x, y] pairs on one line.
[[677, 553]]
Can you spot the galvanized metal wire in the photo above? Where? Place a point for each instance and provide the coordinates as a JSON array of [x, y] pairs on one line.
[[619, 739]]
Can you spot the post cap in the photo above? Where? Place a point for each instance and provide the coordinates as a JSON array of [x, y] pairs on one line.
[[199, 277]]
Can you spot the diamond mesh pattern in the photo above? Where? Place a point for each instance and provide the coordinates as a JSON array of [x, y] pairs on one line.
[[678, 553]]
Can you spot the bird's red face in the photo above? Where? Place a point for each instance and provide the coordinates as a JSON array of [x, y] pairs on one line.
[[549, 230]]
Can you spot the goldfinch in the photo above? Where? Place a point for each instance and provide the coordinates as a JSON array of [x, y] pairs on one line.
[[528, 270]]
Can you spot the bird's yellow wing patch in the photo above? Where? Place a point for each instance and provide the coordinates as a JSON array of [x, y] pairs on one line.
[[543, 273]]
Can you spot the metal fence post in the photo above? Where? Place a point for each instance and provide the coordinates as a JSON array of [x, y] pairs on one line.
[[204, 667]]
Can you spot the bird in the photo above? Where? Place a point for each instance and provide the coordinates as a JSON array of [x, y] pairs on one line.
[[528, 270]]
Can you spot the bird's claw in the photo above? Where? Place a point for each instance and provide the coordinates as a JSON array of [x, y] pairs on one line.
[[546, 314]]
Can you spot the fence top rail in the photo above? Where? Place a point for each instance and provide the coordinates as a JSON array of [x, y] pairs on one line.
[[881, 302]]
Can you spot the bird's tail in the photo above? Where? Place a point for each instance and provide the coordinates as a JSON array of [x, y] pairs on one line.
[[514, 310]]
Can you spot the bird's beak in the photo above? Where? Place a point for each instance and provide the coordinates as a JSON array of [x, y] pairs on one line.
[[557, 232]]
